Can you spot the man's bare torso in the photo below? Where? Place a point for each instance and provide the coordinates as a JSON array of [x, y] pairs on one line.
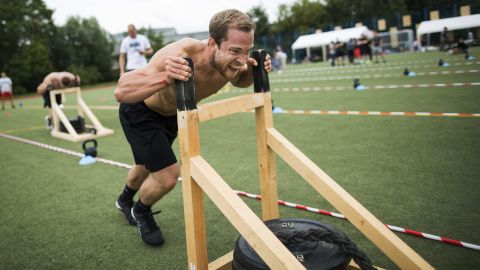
[[208, 80]]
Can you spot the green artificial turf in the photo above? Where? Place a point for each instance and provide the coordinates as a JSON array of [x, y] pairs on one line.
[[420, 173]]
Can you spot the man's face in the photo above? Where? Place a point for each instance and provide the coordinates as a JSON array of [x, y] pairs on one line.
[[233, 53], [132, 32]]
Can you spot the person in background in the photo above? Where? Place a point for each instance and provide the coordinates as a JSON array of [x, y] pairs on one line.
[[445, 46], [133, 51], [350, 50], [280, 59], [340, 52], [462, 46], [55, 80], [332, 53], [364, 47], [377, 48], [6, 90]]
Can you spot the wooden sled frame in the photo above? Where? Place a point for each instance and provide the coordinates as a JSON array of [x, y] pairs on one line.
[[59, 116], [200, 178]]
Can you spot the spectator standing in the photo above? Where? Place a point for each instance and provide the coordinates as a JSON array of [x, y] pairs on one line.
[[377, 48], [134, 49], [280, 59], [350, 50], [6, 90], [332, 53], [445, 46], [340, 52]]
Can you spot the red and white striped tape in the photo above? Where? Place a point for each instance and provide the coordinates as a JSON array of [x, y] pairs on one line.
[[340, 88], [250, 195], [391, 227]]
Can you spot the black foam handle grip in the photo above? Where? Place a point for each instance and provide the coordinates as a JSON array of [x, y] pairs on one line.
[[260, 76], [186, 91]]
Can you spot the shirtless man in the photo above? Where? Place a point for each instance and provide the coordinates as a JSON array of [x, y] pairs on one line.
[[148, 108], [55, 80]]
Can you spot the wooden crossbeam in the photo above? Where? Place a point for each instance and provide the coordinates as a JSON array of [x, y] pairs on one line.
[[58, 116], [220, 108], [358, 215], [265, 243]]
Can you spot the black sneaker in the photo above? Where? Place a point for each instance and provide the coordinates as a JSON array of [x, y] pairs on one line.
[[149, 231], [126, 208]]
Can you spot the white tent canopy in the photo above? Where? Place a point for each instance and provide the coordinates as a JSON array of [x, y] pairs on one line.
[[455, 23], [325, 38]]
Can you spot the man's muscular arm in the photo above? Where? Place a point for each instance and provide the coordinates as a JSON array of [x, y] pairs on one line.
[[142, 83]]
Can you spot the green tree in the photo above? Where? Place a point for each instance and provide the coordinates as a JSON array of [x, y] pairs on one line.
[[86, 51], [155, 38], [25, 29], [29, 65], [262, 26], [339, 11], [303, 16]]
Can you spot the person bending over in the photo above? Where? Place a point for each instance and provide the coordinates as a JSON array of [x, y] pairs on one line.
[[55, 80], [148, 108]]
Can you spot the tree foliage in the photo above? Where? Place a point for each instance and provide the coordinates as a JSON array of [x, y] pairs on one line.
[[262, 27], [31, 46], [88, 49], [26, 27], [155, 38]]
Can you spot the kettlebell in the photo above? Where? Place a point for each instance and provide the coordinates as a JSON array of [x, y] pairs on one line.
[[90, 151]]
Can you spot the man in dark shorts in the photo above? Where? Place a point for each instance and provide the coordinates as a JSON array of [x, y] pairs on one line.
[[55, 80], [148, 108]]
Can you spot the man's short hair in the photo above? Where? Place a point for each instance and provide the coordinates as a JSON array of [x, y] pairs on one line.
[[67, 82], [223, 20]]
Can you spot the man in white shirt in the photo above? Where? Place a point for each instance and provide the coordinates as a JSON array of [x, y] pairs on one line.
[[6, 90], [135, 47]]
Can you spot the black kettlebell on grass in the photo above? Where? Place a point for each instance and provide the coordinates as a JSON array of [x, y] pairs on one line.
[[90, 151]]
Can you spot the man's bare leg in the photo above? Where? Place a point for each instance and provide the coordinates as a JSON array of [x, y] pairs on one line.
[[158, 184], [153, 189], [136, 176]]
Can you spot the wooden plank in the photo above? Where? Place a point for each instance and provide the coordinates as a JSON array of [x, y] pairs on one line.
[[266, 160], [84, 107], [59, 116], [229, 106], [268, 247], [65, 90], [353, 266], [400, 253], [222, 263], [65, 136], [193, 202]]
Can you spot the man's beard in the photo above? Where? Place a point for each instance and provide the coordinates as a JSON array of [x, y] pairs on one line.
[[218, 67]]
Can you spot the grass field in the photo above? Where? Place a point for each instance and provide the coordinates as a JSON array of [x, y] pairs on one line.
[[416, 172]]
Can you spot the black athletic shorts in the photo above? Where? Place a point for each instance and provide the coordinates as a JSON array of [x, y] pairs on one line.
[[46, 99], [149, 134]]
